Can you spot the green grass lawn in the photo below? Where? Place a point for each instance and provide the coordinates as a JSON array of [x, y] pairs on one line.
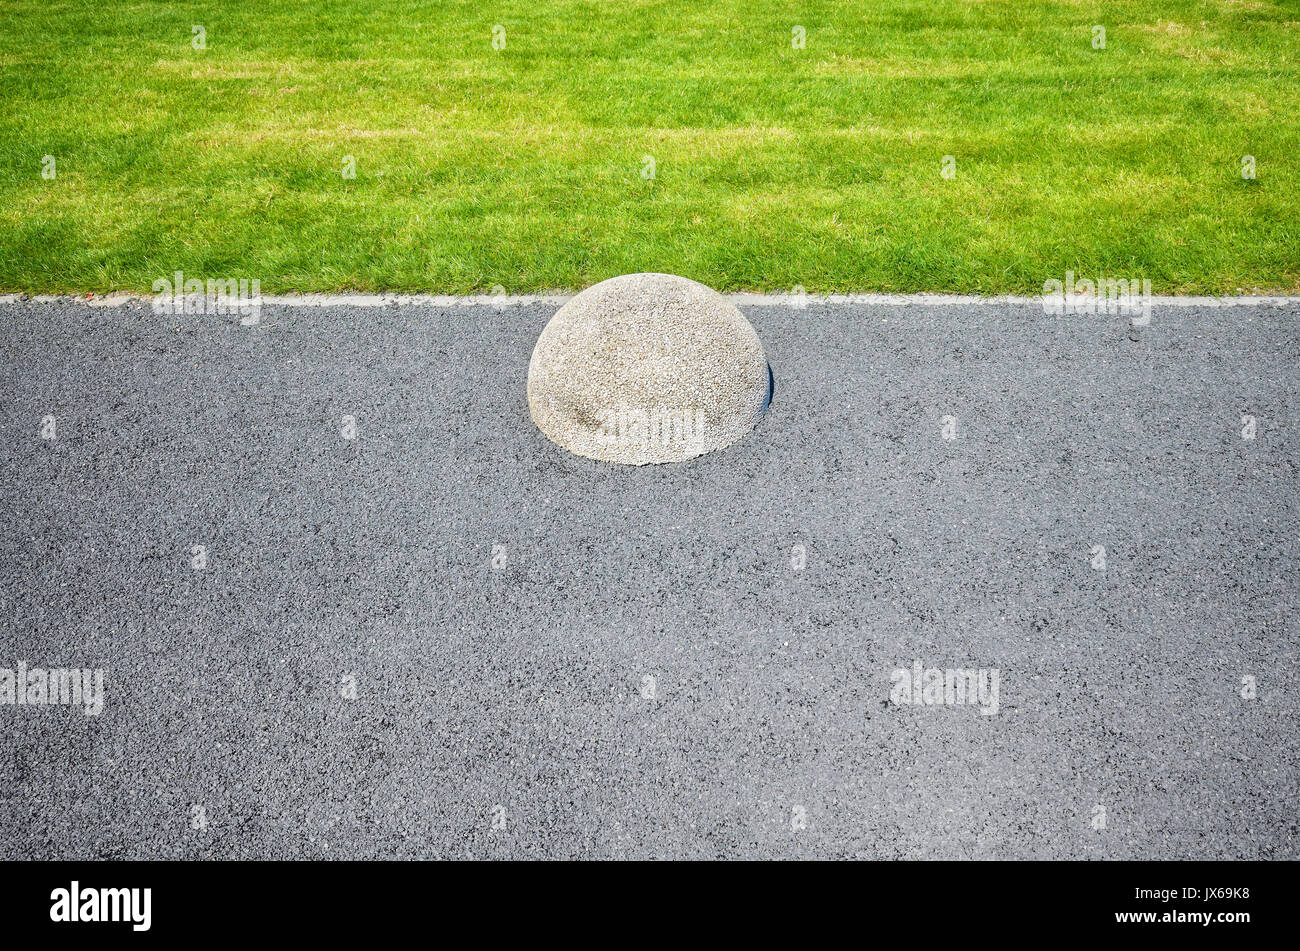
[[774, 167]]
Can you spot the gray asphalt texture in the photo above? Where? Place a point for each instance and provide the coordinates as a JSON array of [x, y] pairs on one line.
[[770, 733]]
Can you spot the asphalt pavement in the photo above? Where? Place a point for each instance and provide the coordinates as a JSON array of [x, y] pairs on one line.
[[447, 637]]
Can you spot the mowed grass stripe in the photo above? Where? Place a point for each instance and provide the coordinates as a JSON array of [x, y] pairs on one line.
[[773, 167]]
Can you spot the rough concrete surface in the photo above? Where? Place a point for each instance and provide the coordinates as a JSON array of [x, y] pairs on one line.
[[501, 602], [647, 368]]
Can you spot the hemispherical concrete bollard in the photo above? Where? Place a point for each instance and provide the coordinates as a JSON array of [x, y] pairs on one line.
[[647, 368]]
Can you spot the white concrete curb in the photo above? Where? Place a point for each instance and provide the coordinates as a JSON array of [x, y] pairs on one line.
[[558, 298]]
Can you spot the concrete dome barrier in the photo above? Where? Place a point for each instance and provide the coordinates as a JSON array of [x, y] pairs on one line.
[[647, 368]]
